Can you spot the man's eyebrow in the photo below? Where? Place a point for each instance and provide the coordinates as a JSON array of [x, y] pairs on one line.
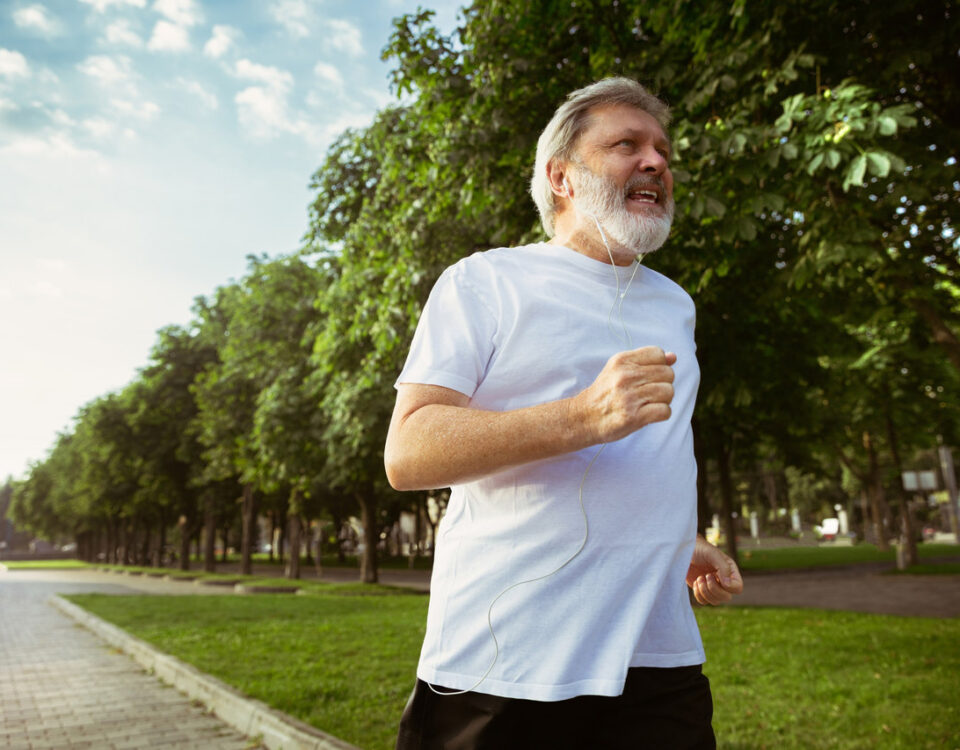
[[629, 132]]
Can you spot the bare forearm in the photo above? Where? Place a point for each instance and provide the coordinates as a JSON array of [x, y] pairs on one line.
[[439, 444], [436, 439]]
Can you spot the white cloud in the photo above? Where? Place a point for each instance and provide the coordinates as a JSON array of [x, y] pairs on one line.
[[296, 16], [263, 111], [13, 64], [181, 12], [102, 5], [62, 119], [121, 32], [169, 37], [36, 18], [223, 38], [328, 74], [99, 127], [273, 77], [344, 37], [193, 87], [8, 105], [55, 147], [108, 71], [141, 110]]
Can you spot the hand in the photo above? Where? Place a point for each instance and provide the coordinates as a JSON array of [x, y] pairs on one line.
[[713, 576], [633, 389]]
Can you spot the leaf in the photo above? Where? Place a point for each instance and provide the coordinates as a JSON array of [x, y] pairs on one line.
[[696, 207], [879, 163], [865, 358], [715, 207], [832, 158], [815, 163], [887, 125], [855, 172]]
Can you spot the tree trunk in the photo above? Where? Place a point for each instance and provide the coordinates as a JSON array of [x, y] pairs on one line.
[[185, 533], [726, 496], [368, 517], [875, 491], [161, 540], [249, 517], [225, 537], [865, 512], [128, 541], [293, 558], [281, 535], [273, 535], [145, 545], [337, 528], [908, 541], [318, 560], [209, 537]]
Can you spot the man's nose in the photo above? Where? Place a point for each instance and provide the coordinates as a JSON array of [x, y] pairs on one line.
[[651, 161]]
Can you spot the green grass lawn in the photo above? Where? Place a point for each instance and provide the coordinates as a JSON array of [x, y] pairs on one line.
[[781, 678], [44, 564], [935, 569], [752, 558]]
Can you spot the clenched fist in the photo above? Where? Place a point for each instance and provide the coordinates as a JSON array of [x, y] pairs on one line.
[[633, 389]]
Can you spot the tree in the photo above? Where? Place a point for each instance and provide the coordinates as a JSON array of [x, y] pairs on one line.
[[259, 324], [774, 132], [163, 418]]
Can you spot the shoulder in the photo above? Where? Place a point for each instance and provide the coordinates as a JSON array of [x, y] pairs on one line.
[[494, 267], [499, 258]]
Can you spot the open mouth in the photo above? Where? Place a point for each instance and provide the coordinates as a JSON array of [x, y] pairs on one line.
[[647, 195]]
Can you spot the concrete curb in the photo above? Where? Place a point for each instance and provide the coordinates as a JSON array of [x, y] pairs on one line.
[[274, 729]]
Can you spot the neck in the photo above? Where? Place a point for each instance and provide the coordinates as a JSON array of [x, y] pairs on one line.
[[589, 243]]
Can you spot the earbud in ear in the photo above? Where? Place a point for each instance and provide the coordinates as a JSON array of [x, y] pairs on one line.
[[566, 186]]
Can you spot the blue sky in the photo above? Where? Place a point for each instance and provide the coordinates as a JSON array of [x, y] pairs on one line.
[[146, 148]]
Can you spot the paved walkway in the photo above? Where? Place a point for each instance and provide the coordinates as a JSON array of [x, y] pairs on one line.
[[860, 588], [61, 687]]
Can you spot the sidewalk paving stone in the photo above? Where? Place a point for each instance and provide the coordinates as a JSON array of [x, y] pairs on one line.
[[62, 687]]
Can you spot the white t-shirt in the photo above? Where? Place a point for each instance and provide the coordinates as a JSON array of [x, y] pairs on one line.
[[514, 327]]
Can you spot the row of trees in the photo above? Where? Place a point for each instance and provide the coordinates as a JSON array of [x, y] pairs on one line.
[[817, 194]]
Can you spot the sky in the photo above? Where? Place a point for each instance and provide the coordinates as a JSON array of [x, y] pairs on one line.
[[147, 147]]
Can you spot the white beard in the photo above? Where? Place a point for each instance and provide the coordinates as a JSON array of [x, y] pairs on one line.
[[629, 234]]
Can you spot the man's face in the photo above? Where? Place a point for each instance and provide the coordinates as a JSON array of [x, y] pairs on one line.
[[622, 178]]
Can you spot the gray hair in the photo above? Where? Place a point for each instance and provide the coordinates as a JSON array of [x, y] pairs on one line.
[[559, 139]]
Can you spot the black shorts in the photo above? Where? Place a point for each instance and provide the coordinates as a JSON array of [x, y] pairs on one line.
[[659, 708]]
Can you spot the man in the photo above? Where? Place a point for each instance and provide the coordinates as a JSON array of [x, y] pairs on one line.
[[551, 387]]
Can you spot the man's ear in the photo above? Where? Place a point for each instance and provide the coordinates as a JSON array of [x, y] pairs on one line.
[[557, 177]]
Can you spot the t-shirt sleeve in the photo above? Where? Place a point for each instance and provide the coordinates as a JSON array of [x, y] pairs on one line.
[[454, 339]]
